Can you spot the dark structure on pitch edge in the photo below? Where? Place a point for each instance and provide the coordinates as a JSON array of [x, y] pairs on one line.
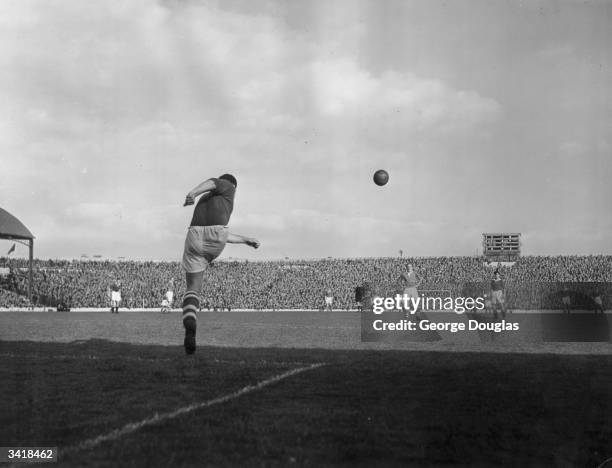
[[13, 229], [501, 246]]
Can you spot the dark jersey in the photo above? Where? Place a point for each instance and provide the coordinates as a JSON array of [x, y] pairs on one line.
[[215, 207], [497, 285], [411, 279]]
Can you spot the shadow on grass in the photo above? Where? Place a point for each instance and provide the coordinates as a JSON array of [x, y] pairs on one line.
[[362, 408]]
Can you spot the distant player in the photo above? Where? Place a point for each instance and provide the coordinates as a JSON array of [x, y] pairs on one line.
[[410, 287], [206, 238], [329, 300], [598, 301], [487, 303], [497, 295], [359, 293], [115, 297], [168, 297], [566, 300]]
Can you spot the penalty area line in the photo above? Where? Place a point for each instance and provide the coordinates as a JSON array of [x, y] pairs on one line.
[[158, 418]]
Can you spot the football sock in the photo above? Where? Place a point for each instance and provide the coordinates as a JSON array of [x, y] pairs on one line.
[[191, 305]]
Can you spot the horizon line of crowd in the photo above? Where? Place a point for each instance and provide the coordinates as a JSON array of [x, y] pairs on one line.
[[289, 284]]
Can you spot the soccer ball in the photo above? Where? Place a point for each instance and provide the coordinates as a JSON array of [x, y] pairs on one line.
[[381, 177]]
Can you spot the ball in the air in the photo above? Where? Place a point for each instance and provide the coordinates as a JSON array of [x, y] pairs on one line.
[[381, 177]]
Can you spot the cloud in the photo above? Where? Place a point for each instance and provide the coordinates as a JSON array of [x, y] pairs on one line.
[[261, 222], [97, 69], [95, 212], [113, 110], [556, 51], [344, 90], [573, 149]]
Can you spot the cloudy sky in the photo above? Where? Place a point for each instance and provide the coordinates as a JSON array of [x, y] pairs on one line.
[[489, 116]]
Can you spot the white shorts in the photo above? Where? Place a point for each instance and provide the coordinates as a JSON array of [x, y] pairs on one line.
[[497, 297], [202, 245], [116, 296], [165, 303], [566, 300], [329, 300]]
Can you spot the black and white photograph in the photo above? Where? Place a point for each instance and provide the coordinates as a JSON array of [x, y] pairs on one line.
[[306, 233]]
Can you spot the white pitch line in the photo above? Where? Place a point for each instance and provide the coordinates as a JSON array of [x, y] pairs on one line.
[[157, 418], [263, 362]]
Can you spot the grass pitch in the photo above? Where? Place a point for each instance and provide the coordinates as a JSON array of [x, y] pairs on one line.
[[362, 408]]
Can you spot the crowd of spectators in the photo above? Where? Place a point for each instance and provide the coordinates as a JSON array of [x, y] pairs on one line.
[[11, 299], [290, 284]]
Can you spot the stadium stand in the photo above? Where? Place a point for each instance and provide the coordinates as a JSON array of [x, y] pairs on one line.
[[298, 284]]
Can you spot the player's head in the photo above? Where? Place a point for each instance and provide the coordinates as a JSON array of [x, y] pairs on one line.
[[230, 178], [496, 273]]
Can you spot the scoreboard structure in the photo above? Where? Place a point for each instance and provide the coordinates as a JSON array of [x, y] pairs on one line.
[[501, 245]]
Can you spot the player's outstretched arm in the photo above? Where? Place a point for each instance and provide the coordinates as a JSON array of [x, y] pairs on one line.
[[238, 239], [204, 187]]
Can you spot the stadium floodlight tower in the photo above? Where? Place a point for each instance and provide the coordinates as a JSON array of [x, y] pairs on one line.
[[13, 229], [501, 246]]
